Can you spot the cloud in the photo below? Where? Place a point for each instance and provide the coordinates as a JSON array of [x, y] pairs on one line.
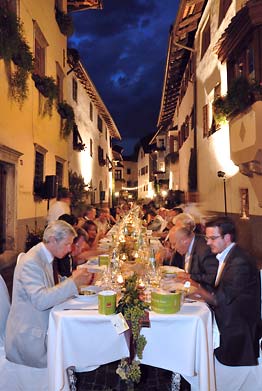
[[123, 48]]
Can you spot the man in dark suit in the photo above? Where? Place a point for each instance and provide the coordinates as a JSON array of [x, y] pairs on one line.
[[197, 259], [236, 301]]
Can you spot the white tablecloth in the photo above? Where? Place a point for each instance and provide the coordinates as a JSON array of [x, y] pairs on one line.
[[181, 342]]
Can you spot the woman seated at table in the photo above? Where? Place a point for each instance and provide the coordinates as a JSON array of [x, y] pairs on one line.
[[93, 235], [91, 249]]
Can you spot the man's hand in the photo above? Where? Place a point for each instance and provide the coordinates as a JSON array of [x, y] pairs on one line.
[[205, 295], [82, 277]]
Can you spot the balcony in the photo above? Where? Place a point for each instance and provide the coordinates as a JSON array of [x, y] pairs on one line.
[[246, 144]]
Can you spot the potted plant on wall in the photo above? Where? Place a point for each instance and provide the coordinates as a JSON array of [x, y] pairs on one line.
[[241, 94], [46, 85], [79, 191], [14, 47], [67, 114]]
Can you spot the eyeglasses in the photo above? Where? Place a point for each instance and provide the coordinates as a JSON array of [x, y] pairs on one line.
[[212, 237]]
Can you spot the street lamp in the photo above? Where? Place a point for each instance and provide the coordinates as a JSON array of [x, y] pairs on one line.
[[222, 174]]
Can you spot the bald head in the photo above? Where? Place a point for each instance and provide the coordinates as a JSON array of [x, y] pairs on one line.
[[180, 239]]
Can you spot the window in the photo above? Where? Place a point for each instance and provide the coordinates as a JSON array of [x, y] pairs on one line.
[[205, 121], [128, 171], [91, 147], [39, 169], [205, 38], [101, 159], [99, 124], [162, 166], [129, 183], [59, 81], [78, 144], [59, 169], [243, 64], [74, 89], [40, 51], [39, 66], [192, 119], [223, 7], [215, 125], [59, 84], [91, 114], [175, 145], [118, 174], [161, 142]]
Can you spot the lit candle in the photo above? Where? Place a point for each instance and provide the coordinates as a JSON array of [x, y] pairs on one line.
[[120, 279], [141, 284]]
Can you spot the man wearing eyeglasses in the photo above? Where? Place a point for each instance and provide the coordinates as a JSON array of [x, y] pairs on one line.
[[236, 304]]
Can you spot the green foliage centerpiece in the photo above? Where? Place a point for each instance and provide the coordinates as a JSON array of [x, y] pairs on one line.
[[134, 311]]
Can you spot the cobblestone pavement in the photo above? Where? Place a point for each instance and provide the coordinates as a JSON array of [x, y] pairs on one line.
[[153, 379]]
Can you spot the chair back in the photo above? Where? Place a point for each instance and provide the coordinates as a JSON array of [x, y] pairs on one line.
[[4, 309]]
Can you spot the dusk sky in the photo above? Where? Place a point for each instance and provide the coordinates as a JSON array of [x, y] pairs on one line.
[[123, 48]]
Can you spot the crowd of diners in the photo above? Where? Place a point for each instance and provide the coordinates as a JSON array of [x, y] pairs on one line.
[[224, 276]]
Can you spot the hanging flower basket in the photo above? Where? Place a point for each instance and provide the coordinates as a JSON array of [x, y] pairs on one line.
[[47, 87], [67, 114], [14, 47]]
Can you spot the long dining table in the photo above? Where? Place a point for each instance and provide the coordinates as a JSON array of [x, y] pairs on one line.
[[79, 336]]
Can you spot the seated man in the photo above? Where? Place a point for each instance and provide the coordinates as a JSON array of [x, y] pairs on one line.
[[67, 264], [35, 293], [236, 303], [198, 260]]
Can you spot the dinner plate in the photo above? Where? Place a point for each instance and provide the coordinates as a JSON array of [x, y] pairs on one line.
[[90, 288], [92, 267], [170, 271], [93, 261]]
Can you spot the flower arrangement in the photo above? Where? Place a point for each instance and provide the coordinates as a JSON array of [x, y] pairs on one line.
[[46, 85], [67, 114], [241, 94], [134, 311]]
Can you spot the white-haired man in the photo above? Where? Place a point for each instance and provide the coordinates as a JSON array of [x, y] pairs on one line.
[[35, 293]]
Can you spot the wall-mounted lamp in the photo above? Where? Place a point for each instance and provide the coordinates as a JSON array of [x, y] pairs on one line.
[[222, 174]]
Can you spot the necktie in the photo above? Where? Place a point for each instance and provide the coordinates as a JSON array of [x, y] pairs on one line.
[[187, 262], [55, 271]]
